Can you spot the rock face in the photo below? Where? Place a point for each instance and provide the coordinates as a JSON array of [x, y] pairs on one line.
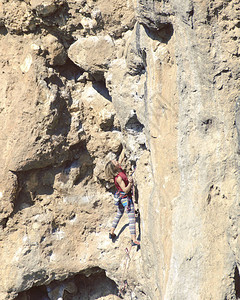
[[82, 80]]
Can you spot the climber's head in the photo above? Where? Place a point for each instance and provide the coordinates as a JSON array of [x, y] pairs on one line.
[[112, 169]]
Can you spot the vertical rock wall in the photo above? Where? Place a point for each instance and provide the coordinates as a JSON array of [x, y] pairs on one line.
[[80, 81], [207, 153]]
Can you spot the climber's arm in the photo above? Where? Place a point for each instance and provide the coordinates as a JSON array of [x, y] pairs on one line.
[[126, 189]]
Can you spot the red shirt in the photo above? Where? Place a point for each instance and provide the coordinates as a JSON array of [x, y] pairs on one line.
[[125, 180]]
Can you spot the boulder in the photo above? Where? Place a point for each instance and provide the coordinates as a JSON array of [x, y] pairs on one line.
[[93, 54]]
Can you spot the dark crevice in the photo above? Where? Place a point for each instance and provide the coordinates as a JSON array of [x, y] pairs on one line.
[[208, 18], [3, 223], [143, 146], [191, 12], [237, 282], [190, 17], [213, 12], [76, 151], [98, 75], [163, 35], [209, 198], [101, 88], [221, 72], [69, 70], [133, 124], [217, 10], [35, 293], [3, 30], [206, 124], [54, 79], [88, 284]]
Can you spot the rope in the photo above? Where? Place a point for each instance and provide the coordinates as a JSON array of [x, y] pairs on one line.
[[124, 285]]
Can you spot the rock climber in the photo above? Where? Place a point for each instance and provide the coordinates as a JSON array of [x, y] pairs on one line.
[[114, 170]]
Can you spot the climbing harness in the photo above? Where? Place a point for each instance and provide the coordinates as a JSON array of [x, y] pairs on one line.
[[121, 197]]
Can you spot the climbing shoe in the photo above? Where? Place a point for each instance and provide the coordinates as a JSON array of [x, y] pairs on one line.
[[137, 243], [112, 236]]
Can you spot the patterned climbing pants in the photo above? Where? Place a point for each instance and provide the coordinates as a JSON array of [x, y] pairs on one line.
[[131, 217]]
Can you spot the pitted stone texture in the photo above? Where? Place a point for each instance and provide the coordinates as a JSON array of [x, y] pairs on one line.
[[56, 54], [166, 92], [18, 17], [46, 7]]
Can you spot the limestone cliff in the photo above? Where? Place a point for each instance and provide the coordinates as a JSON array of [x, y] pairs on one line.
[[80, 81]]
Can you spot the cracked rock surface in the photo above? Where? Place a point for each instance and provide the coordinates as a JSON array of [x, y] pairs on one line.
[[82, 80]]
